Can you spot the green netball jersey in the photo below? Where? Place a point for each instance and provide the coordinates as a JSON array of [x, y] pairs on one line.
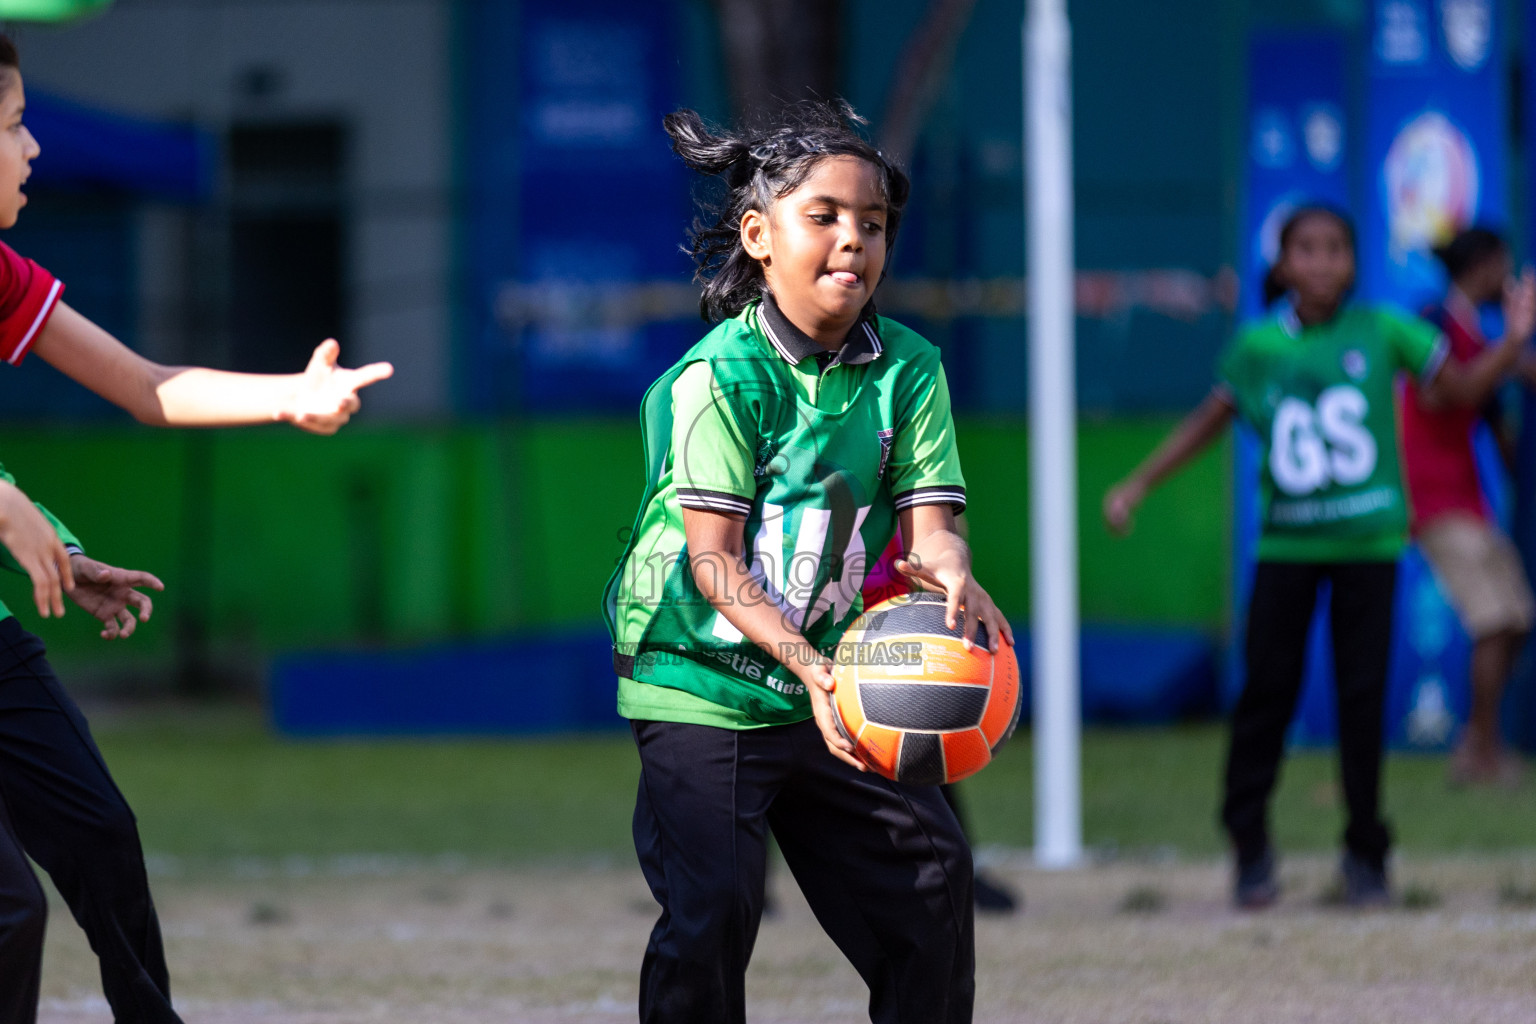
[[8, 561], [1322, 401], [817, 452]]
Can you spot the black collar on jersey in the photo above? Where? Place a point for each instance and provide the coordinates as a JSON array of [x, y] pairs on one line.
[[793, 345]]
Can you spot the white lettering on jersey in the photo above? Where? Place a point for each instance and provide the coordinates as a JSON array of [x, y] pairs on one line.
[[791, 586], [1311, 448], [1351, 448], [1297, 458]]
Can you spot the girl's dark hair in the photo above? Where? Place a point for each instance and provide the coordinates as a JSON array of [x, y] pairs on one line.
[[10, 61], [758, 166], [1469, 248], [1274, 287]]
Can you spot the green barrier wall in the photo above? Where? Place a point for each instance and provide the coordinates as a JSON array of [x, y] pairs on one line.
[[271, 540]]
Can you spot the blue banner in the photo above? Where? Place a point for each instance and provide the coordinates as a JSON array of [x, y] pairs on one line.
[[1435, 163], [1434, 139], [1297, 152], [576, 205]]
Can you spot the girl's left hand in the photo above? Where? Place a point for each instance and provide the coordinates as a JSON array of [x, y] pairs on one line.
[[109, 593], [960, 590]]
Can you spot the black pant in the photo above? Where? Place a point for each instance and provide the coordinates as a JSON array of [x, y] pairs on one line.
[[59, 805], [884, 867], [1360, 615]]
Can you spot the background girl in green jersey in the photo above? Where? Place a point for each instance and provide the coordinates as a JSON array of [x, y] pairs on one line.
[[1315, 381], [782, 451]]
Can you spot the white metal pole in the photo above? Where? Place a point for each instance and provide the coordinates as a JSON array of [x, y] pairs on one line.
[[1053, 433]]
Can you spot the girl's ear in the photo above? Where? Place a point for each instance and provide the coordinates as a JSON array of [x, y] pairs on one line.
[[756, 235]]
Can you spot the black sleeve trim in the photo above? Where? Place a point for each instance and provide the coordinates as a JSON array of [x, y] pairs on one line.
[[714, 501], [946, 495]]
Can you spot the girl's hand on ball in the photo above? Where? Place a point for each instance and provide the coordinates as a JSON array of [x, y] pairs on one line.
[[819, 683], [960, 590], [979, 607]]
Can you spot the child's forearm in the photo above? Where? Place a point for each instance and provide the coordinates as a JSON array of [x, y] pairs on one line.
[[320, 399], [732, 590], [941, 547], [1204, 424], [155, 394], [1464, 385]]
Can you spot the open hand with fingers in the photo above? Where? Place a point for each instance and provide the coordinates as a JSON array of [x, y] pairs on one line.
[[1520, 307], [949, 576], [326, 396], [112, 595]]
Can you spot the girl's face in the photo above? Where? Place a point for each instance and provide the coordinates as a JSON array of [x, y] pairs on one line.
[[822, 246], [17, 149], [1318, 262]]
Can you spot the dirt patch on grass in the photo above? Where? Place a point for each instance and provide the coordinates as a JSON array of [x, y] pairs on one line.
[[1120, 942]]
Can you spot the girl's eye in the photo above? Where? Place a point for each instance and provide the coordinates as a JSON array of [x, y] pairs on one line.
[[874, 227], [824, 218]]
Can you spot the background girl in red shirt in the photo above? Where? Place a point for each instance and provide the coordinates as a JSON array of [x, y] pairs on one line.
[[1475, 562]]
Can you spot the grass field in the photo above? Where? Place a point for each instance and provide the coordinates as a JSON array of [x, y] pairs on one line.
[[212, 784], [470, 882]]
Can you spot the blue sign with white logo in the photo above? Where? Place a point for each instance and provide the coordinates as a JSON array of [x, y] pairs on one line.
[[576, 205], [1434, 140], [1435, 164]]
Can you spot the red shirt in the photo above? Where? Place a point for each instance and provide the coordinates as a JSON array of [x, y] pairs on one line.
[[28, 295], [1440, 467]]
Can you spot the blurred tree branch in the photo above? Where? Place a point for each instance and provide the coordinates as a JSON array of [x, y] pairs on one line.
[[779, 51], [925, 64]]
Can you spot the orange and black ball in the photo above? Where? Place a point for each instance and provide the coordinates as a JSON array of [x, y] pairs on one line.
[[919, 707]]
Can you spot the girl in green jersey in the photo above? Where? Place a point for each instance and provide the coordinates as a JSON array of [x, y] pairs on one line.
[[1315, 382], [782, 451]]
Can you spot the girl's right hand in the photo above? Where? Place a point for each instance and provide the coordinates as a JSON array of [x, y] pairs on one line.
[[819, 683], [33, 542], [1520, 307], [1120, 503]]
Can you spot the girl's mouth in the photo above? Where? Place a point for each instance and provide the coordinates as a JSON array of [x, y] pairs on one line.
[[847, 278]]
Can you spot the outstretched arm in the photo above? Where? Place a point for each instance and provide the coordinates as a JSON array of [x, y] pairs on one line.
[[319, 400], [1463, 385], [1191, 437]]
